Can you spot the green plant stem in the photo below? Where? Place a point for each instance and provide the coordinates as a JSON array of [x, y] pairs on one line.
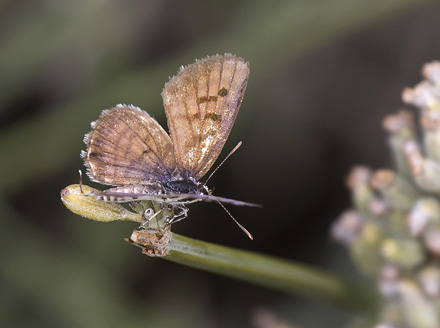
[[269, 271], [260, 269]]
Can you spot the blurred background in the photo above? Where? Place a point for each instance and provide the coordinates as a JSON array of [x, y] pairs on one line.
[[323, 75]]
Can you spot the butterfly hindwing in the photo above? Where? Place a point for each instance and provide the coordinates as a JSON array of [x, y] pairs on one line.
[[128, 147]]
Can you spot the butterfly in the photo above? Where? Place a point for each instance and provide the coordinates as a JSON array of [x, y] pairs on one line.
[[129, 150]]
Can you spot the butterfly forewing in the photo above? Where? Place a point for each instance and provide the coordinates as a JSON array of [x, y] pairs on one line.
[[128, 147], [201, 104]]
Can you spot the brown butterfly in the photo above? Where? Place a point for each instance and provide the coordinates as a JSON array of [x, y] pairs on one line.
[[128, 149]]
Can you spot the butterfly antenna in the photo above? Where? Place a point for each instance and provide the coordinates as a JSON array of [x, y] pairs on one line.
[[81, 181], [241, 227], [232, 151]]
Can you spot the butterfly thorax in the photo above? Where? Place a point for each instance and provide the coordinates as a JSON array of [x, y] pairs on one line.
[[183, 186]]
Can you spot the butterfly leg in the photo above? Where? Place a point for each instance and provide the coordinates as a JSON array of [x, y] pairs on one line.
[[148, 215], [183, 214]]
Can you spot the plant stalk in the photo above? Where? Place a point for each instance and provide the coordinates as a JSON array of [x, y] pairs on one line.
[[270, 272]]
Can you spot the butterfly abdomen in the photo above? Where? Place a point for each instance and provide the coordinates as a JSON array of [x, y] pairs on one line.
[[185, 186]]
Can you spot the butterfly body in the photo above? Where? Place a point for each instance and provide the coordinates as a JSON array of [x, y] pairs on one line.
[[185, 186]]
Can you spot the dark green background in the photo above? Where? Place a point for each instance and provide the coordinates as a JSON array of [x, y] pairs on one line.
[[323, 75]]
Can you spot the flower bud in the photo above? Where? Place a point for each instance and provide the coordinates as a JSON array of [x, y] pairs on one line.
[[429, 280], [416, 309], [75, 198], [426, 172], [396, 191], [424, 211], [407, 253]]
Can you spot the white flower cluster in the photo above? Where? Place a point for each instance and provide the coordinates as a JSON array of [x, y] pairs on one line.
[[393, 230]]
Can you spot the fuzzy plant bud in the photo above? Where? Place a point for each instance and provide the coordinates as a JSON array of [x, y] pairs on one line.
[[431, 72], [358, 182], [365, 250], [396, 191], [75, 198], [429, 280], [347, 227], [406, 253], [424, 212], [425, 171], [423, 95], [400, 127], [416, 309]]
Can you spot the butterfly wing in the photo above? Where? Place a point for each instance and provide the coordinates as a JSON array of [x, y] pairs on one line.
[[128, 147], [201, 104]]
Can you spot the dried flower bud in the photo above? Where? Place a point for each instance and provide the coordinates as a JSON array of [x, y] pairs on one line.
[[152, 242]]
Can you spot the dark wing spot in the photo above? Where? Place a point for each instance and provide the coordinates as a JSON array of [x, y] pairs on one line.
[[201, 100], [214, 116], [222, 92]]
